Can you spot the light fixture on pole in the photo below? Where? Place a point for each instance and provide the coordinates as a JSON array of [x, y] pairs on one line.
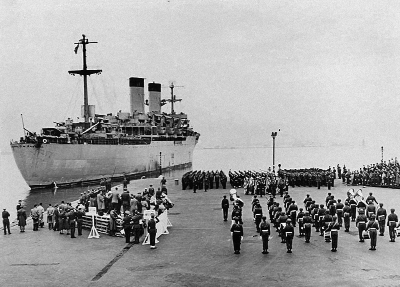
[[273, 135]]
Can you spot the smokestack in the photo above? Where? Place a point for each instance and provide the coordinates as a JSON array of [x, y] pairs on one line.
[[155, 97], [136, 86]]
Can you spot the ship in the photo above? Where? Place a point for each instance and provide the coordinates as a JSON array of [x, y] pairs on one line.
[[112, 146]]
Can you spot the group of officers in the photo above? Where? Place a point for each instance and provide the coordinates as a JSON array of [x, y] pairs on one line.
[[199, 180], [327, 219]]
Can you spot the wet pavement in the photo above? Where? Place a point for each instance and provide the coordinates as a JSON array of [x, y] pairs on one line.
[[198, 250]]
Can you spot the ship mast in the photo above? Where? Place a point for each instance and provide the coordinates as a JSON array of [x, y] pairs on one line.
[[84, 72], [173, 98]]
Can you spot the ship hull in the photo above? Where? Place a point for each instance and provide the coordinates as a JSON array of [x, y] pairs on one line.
[[66, 164]]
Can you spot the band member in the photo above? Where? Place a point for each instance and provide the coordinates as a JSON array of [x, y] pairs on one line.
[[381, 215], [283, 218], [292, 212], [334, 227], [372, 228], [237, 235], [321, 217], [237, 213], [265, 231], [307, 226], [288, 233], [371, 210], [327, 221], [300, 216], [346, 216], [258, 213], [361, 224], [353, 206], [392, 222], [339, 211], [371, 198]]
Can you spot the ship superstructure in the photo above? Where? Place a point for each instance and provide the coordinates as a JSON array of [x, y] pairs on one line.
[[110, 145]]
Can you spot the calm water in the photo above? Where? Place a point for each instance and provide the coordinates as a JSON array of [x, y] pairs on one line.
[[15, 188]]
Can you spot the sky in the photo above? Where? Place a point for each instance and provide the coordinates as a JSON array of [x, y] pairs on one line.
[[319, 72]]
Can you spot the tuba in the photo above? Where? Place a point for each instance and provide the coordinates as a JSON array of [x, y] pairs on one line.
[[350, 193], [358, 196]]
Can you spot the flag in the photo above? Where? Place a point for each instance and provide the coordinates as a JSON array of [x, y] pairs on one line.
[[76, 49]]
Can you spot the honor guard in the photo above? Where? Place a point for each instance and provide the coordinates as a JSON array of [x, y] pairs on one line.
[[392, 223], [372, 228], [381, 215], [265, 231], [361, 223]]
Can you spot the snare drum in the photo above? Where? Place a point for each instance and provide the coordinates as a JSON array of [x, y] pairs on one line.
[[327, 235]]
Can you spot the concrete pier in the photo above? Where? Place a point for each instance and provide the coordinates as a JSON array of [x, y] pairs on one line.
[[198, 250]]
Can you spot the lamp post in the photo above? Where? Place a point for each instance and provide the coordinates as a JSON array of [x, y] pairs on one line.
[[273, 135], [382, 154]]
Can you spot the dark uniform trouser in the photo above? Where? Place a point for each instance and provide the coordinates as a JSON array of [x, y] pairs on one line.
[[258, 221], [152, 234], [347, 222], [55, 227], [136, 233], [128, 234], [50, 217], [6, 225], [353, 211], [361, 228], [340, 217], [236, 238], [80, 221], [334, 237], [392, 232], [381, 226], [373, 235], [265, 238], [289, 240], [72, 224], [225, 213], [307, 231]]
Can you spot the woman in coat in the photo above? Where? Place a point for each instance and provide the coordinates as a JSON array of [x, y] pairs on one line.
[[21, 215]]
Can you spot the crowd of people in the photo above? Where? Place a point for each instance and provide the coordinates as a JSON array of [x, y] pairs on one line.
[[327, 218], [384, 174], [199, 180], [124, 209]]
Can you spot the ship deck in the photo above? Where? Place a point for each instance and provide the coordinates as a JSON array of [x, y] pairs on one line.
[[198, 251]]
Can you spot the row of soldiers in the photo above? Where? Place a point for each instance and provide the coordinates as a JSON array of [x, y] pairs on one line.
[[199, 180]]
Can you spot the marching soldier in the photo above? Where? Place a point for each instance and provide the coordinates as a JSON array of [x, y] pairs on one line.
[[361, 223], [381, 214], [265, 231], [334, 227], [346, 216], [237, 235], [307, 226], [372, 228], [237, 213], [371, 198], [72, 221], [392, 222], [288, 234], [321, 217], [327, 220]]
